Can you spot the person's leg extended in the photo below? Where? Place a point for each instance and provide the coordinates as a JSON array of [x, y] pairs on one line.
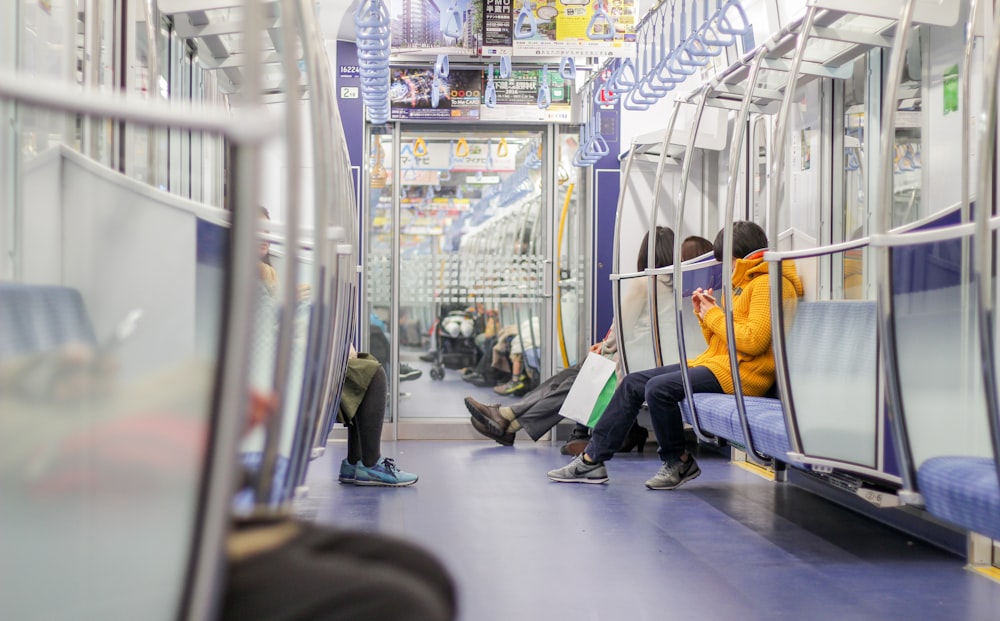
[[663, 395], [610, 431], [612, 428], [538, 412]]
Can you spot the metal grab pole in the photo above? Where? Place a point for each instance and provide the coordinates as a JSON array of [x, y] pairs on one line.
[[654, 324], [983, 244], [883, 176], [727, 283], [678, 281]]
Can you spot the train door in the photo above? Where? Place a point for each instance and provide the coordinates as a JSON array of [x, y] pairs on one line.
[[460, 244]]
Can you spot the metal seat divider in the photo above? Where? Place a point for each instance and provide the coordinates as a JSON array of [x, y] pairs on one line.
[[654, 322], [886, 331], [735, 153], [654, 316], [678, 282], [984, 236], [286, 323], [616, 303]]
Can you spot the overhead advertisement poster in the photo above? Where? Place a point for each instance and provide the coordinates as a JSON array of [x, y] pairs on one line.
[[574, 27], [436, 26], [517, 97], [498, 28], [412, 94], [489, 156]]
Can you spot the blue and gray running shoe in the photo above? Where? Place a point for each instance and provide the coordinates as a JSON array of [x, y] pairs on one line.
[[347, 472], [384, 472]]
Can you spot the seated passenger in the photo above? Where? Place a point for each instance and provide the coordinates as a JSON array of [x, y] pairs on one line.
[[510, 351], [693, 247], [362, 410], [662, 388], [539, 410]]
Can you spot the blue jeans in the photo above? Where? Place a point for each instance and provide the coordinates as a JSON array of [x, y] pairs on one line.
[[662, 389]]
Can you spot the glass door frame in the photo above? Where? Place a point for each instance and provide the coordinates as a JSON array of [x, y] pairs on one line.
[[547, 238]]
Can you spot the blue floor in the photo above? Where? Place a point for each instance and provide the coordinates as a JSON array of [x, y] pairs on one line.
[[729, 545]]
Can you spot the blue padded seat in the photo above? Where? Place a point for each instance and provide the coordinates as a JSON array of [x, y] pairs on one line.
[[825, 336], [252, 461], [38, 318], [964, 491], [718, 415]]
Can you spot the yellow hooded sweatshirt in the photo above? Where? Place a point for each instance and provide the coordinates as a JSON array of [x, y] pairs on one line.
[[752, 322]]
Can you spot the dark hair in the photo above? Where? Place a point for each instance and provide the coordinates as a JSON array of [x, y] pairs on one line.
[[694, 246], [748, 237], [664, 249]]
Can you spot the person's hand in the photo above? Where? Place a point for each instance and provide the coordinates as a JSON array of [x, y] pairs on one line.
[[703, 301], [305, 292], [696, 301], [596, 348], [262, 407]]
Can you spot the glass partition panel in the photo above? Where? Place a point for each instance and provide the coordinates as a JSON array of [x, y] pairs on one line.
[[831, 355], [472, 255], [637, 203], [937, 345], [378, 257], [907, 176], [296, 396], [704, 274], [109, 342], [855, 207], [637, 337]]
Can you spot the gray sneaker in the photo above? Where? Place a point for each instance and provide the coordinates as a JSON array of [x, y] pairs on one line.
[[674, 474], [579, 471]]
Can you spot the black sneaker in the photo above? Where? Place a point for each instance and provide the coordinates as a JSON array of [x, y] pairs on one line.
[[428, 357], [406, 372]]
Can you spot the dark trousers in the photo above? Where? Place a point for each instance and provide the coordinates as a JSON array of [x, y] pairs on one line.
[[662, 389], [337, 575], [364, 431], [538, 411]]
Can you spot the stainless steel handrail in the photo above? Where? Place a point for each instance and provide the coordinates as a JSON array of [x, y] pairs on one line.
[[891, 240], [279, 380], [678, 282], [735, 157], [883, 183], [984, 243], [773, 206], [251, 126], [616, 289], [651, 250]]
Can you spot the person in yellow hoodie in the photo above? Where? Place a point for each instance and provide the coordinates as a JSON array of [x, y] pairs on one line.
[[662, 388]]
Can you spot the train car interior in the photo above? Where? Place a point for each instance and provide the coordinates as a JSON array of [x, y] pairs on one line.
[[311, 309]]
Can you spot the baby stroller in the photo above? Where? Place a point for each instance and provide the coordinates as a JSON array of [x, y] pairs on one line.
[[455, 332]]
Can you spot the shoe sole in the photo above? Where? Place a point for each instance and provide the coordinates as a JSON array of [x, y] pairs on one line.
[[482, 418], [574, 447], [499, 439], [383, 484], [410, 376], [679, 483], [345, 481], [575, 480]]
